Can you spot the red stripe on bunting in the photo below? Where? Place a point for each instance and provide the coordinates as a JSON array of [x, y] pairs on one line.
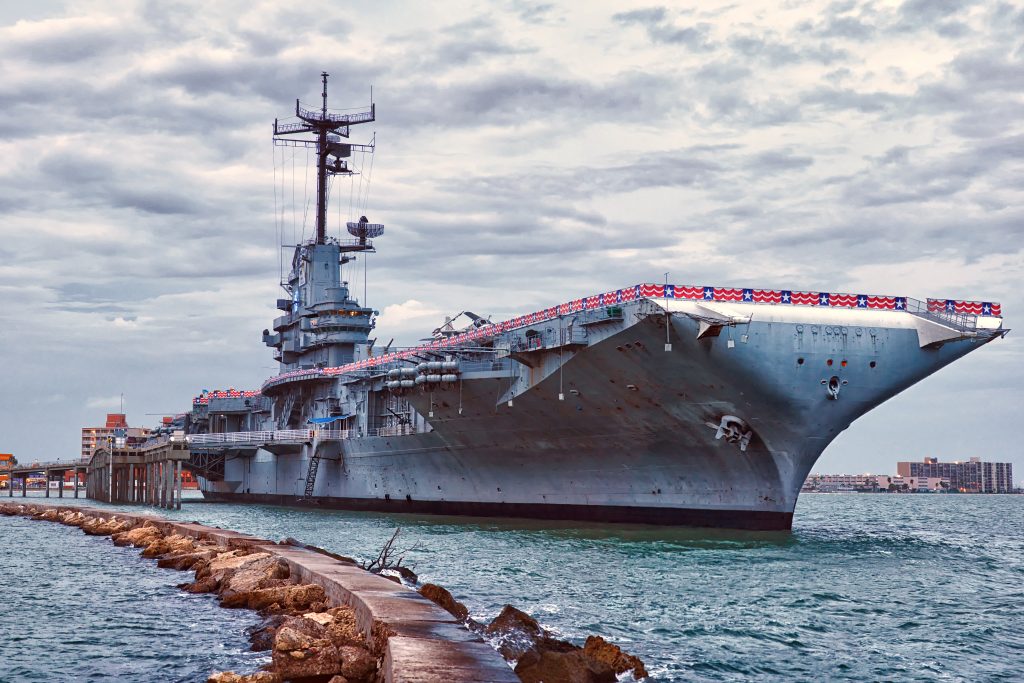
[[767, 296]]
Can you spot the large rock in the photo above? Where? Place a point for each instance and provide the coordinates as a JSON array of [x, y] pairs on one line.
[[288, 638], [261, 637], [514, 633], [294, 599], [175, 544], [318, 660], [266, 572], [230, 561], [205, 570], [357, 664], [343, 629], [444, 599], [96, 526], [322, 618], [186, 561], [548, 666], [232, 677], [141, 536], [600, 649], [301, 649], [71, 518], [205, 585]]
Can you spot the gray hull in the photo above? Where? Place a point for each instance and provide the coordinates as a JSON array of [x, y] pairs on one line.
[[636, 437], [656, 403]]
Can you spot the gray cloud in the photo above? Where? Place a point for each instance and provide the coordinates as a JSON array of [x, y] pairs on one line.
[[661, 28], [916, 13], [775, 52], [533, 12]]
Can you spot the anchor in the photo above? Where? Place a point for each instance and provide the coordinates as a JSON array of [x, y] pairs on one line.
[[734, 430], [833, 389]]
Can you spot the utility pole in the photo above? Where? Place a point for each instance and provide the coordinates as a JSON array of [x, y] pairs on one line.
[[110, 468]]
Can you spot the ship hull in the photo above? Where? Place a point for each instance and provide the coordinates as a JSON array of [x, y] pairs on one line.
[[634, 437], [753, 520], [664, 404]]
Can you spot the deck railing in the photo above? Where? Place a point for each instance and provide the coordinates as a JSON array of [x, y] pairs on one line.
[[289, 436], [247, 438], [964, 322]]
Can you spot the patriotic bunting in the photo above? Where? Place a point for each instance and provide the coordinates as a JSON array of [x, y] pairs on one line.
[[969, 307], [783, 297], [204, 398]]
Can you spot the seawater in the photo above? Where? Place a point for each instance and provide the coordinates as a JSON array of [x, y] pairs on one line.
[[77, 608], [866, 587]]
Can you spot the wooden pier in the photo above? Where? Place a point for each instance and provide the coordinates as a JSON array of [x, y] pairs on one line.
[[146, 475], [53, 471]]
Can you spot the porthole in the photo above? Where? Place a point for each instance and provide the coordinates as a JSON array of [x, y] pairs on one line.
[[799, 361], [829, 362], [871, 364]]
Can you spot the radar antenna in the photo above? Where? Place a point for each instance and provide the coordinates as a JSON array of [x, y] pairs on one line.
[[329, 127], [364, 229]]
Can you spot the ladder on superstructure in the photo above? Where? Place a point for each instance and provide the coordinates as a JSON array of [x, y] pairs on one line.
[[314, 465]]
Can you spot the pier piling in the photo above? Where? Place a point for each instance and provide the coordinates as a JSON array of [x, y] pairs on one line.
[[148, 475]]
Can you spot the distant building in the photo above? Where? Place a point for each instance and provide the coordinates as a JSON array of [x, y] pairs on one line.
[[7, 461], [837, 483], [868, 483], [972, 476], [913, 484], [96, 436]]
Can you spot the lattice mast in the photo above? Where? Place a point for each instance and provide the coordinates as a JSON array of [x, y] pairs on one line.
[[328, 127]]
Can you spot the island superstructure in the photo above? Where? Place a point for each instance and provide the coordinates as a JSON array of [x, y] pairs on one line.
[[650, 403]]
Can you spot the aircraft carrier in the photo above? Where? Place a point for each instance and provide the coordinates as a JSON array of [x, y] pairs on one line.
[[650, 403]]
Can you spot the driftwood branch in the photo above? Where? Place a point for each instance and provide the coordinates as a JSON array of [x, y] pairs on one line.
[[391, 558], [385, 558]]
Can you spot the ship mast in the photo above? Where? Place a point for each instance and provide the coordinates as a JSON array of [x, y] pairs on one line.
[[328, 127]]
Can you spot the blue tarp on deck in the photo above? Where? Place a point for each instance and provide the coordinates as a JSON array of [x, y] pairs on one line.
[[326, 420]]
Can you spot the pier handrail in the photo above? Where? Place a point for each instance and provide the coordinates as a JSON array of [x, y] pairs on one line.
[[41, 466]]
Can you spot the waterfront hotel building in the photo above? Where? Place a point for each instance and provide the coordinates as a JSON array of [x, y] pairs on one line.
[[972, 476], [95, 436]]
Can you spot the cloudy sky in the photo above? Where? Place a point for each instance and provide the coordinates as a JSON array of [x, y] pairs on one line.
[[528, 153]]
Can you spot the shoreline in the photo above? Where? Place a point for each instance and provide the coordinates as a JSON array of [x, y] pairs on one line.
[[326, 618]]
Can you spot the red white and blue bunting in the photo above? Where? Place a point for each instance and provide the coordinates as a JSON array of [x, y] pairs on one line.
[[204, 398], [782, 297], [970, 307], [785, 297]]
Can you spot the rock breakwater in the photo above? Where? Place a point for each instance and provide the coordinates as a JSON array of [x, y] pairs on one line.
[[326, 619]]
